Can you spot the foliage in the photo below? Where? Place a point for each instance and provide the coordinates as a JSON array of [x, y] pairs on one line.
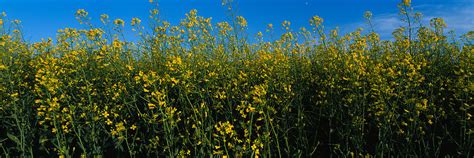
[[201, 88]]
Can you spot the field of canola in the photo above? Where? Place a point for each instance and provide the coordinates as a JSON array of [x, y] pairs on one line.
[[202, 89]]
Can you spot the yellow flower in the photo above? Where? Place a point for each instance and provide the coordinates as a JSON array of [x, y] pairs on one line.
[[254, 147], [174, 81], [270, 26], [81, 13], [119, 22], [1, 22], [135, 21], [14, 95], [117, 44], [241, 21], [114, 132], [104, 18], [120, 127], [133, 127], [316, 20], [108, 122], [406, 2], [151, 106], [129, 67], [105, 114]]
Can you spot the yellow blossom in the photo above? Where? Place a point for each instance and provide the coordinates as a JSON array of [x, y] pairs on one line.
[[151, 106], [119, 22], [407, 2], [135, 21], [133, 127]]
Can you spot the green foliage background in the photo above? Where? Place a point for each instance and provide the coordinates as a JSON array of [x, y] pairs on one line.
[[200, 89]]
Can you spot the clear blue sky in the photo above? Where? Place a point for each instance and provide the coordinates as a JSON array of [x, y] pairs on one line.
[[42, 18]]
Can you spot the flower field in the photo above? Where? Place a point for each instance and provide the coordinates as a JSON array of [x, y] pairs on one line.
[[208, 89]]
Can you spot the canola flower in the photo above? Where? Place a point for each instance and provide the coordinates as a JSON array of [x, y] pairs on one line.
[[201, 88], [119, 22], [407, 2], [135, 21]]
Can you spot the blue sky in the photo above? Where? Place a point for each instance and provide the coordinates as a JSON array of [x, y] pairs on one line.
[[42, 18]]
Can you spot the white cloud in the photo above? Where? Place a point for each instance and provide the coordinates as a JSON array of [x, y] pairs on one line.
[[458, 17], [386, 24]]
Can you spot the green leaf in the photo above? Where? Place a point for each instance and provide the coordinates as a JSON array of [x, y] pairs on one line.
[[13, 138]]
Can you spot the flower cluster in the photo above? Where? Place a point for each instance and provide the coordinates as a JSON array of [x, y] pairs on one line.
[[201, 88]]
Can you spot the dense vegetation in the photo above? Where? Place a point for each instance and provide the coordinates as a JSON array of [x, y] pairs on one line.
[[202, 88]]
